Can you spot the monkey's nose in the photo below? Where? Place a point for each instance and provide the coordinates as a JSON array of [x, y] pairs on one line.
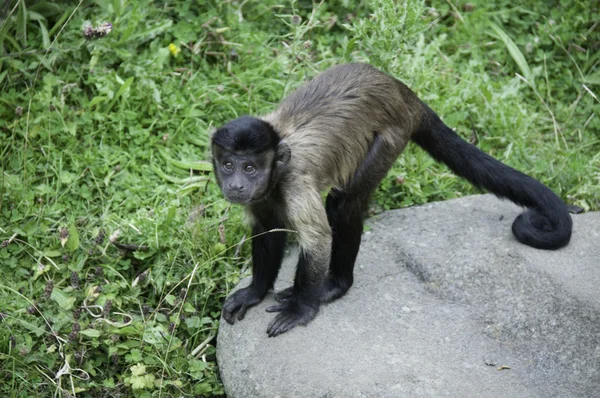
[[236, 186]]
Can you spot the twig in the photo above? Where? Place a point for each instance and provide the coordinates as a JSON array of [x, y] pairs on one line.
[[207, 23], [12, 238], [238, 248], [197, 351]]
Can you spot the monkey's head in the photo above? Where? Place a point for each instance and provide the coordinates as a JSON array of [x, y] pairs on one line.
[[249, 157]]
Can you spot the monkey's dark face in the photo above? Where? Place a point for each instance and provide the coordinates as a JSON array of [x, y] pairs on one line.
[[248, 159], [243, 177]]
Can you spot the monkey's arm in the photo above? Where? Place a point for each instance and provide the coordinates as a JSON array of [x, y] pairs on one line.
[[307, 215], [267, 254]]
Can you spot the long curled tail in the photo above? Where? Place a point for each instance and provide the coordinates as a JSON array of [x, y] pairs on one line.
[[546, 225]]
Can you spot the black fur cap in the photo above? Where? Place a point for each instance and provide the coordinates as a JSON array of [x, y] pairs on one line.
[[246, 134]]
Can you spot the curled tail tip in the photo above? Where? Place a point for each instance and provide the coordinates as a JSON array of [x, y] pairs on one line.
[[534, 229]]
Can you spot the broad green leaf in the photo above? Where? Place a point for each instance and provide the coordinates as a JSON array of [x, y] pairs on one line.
[[514, 51], [65, 302], [590, 79], [193, 322], [45, 36], [199, 165], [52, 253], [46, 8], [140, 382], [155, 335], [119, 93], [124, 87], [91, 332], [97, 100], [176, 180], [170, 299], [138, 369], [135, 355], [73, 241], [60, 22], [35, 16]]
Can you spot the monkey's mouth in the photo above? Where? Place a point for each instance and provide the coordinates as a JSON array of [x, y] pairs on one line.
[[246, 198], [238, 198], [242, 200]]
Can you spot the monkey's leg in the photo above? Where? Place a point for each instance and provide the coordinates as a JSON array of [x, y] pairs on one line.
[[303, 303], [345, 213], [346, 210], [267, 254], [309, 218], [345, 216]]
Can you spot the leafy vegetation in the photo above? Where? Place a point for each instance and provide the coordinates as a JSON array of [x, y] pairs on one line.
[[117, 249]]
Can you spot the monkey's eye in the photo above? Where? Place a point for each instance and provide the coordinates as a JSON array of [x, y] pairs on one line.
[[228, 166], [249, 169]]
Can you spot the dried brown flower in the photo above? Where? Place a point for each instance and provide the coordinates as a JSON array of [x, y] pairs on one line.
[[48, 289], [75, 280]]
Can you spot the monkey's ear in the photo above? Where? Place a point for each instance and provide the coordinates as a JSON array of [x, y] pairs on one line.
[[283, 154]]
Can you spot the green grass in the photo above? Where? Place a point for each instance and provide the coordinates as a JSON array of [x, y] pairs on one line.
[[119, 249]]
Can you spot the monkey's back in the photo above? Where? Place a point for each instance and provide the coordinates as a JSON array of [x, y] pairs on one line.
[[331, 121]]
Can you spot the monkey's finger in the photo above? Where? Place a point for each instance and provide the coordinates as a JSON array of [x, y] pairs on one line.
[[229, 310], [284, 295], [242, 312], [275, 323], [228, 316], [285, 323], [274, 327], [284, 328], [277, 308]]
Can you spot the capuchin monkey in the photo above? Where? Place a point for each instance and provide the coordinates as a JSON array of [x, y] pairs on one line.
[[343, 131]]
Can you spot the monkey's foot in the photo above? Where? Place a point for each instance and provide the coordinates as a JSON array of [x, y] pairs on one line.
[[284, 295], [291, 313], [239, 302], [332, 290]]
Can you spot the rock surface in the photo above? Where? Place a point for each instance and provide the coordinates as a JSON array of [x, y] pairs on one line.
[[443, 297]]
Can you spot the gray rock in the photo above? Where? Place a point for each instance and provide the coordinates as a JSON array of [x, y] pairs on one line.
[[443, 297]]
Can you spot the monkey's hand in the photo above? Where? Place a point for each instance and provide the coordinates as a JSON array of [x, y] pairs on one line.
[[292, 312], [239, 302]]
